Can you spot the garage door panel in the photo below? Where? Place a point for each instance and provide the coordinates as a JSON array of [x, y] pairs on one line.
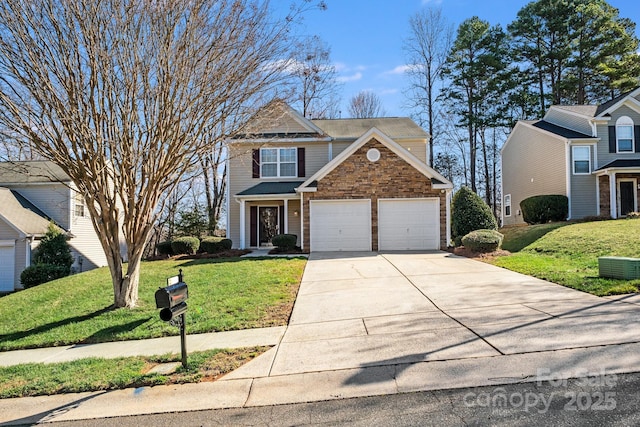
[[340, 225], [409, 224]]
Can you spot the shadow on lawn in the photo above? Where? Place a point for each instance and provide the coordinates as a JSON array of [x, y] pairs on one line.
[[49, 326], [111, 333]]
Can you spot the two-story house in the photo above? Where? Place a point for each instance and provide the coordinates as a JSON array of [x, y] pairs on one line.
[[589, 153], [339, 185], [32, 194]]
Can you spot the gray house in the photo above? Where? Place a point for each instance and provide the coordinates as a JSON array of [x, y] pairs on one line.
[[31, 195], [589, 153]]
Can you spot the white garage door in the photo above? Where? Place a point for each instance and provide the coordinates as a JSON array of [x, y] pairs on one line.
[[340, 225], [408, 224], [6, 267]]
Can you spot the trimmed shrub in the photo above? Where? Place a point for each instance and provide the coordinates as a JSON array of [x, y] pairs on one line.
[[164, 248], [545, 208], [285, 241], [37, 274], [483, 240], [470, 213], [185, 245], [54, 249], [212, 245]]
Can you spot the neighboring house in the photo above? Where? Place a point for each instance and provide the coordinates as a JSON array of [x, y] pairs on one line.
[[339, 185], [32, 194], [589, 153]]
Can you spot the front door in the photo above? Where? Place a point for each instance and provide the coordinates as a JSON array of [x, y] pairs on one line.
[[268, 224], [627, 199]]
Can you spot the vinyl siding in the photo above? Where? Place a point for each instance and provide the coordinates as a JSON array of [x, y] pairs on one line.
[[52, 199], [20, 260], [417, 147], [86, 244], [604, 156], [568, 120], [583, 196], [533, 163]]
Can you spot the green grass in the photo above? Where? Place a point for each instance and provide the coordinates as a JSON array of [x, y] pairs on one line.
[[567, 254], [94, 374], [224, 294]]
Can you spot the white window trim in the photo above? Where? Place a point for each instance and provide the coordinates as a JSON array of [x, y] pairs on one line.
[[277, 162], [573, 159], [507, 197], [625, 121]]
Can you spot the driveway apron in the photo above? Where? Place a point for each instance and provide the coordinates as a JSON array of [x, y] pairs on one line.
[[358, 310]]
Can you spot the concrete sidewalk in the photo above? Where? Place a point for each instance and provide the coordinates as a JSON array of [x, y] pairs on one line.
[[372, 324]]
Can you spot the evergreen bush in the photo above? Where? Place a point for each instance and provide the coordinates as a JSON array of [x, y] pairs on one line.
[[212, 245], [483, 240], [470, 213], [285, 242], [545, 208], [185, 245]]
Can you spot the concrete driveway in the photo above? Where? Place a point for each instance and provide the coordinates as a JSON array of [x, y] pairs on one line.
[[374, 323]]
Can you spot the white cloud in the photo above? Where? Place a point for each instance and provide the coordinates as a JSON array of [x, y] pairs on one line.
[[400, 69], [352, 78]]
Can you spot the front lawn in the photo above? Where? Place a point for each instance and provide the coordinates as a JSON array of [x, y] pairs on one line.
[[94, 374], [224, 294], [567, 254]]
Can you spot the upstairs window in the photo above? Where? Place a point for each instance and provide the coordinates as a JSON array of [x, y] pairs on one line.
[[79, 210], [507, 205], [581, 160], [624, 135], [278, 162]]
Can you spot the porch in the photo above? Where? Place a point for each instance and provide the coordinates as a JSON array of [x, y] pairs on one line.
[[618, 188]]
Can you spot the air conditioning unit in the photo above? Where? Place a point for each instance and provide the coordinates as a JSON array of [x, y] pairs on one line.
[[619, 267]]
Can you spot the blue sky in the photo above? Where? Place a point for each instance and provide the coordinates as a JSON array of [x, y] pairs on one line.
[[366, 37]]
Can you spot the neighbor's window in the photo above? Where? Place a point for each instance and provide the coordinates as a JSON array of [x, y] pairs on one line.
[[507, 205], [624, 134], [278, 162], [79, 205], [581, 160]]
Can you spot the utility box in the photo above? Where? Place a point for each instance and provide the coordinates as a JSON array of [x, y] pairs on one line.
[[619, 267]]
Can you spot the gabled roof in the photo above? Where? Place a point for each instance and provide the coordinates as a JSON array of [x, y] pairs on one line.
[[560, 131], [31, 172], [394, 127], [278, 120], [583, 110], [21, 214], [438, 181], [603, 108]]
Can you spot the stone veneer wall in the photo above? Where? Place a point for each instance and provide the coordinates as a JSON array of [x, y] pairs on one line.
[[389, 177], [605, 195]]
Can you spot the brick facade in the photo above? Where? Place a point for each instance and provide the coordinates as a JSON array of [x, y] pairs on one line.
[[605, 195], [389, 177]]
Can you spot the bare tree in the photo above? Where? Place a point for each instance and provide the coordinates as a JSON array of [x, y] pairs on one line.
[[365, 105], [315, 84], [427, 48], [121, 94]]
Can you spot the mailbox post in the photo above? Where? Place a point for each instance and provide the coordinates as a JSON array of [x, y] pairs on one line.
[[172, 302]]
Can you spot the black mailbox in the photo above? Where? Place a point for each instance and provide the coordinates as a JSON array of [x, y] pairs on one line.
[[172, 300]]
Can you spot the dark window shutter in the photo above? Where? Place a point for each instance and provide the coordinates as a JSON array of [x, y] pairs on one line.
[[612, 139], [301, 165], [636, 135], [255, 164], [281, 225], [253, 228]]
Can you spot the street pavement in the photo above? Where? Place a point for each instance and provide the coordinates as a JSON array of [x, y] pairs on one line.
[[375, 324]]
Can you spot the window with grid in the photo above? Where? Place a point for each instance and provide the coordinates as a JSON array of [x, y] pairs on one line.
[[278, 162]]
